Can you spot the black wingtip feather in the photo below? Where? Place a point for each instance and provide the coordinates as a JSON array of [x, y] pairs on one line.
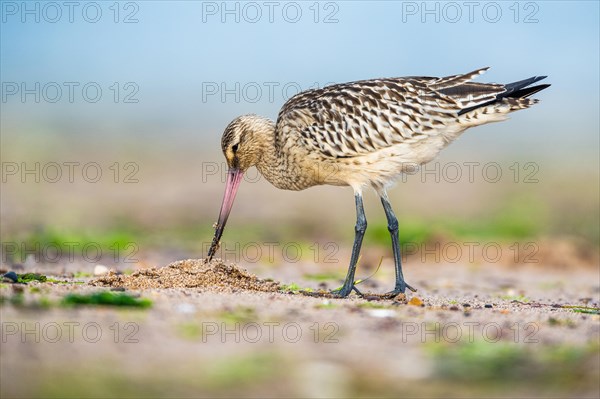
[[528, 91], [515, 90], [512, 87]]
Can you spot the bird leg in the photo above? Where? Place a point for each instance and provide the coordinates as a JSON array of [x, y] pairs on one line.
[[360, 228], [401, 285]]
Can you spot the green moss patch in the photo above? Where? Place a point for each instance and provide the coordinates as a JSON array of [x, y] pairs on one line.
[[29, 277], [106, 298]]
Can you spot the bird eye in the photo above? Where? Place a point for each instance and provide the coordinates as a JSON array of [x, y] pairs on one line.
[[234, 148]]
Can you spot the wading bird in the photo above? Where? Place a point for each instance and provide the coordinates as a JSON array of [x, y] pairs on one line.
[[361, 134]]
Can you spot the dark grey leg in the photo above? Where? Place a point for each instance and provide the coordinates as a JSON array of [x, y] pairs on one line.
[[401, 285], [360, 228]]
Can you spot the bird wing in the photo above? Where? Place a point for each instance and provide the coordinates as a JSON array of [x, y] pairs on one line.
[[358, 118]]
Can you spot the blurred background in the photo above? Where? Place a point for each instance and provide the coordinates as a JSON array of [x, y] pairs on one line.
[[111, 119], [112, 116]]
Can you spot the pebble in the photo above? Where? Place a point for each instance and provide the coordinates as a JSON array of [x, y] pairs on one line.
[[185, 308], [100, 270], [12, 276], [381, 313], [488, 306], [416, 301]]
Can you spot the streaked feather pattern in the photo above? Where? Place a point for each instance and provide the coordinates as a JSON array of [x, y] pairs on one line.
[[361, 134], [368, 132], [358, 118]]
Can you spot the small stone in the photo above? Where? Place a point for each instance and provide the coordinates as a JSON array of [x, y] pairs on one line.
[[381, 313], [488, 306], [454, 307], [185, 308], [100, 270], [416, 301], [466, 305], [12, 276], [400, 298]]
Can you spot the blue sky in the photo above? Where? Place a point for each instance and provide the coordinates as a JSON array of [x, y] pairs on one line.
[[177, 51]]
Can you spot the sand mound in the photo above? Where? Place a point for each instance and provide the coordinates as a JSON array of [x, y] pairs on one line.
[[191, 273]]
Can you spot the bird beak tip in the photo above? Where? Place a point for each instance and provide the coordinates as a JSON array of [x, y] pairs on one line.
[[234, 178]]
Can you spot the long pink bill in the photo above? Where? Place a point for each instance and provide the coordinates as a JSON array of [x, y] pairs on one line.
[[234, 178]]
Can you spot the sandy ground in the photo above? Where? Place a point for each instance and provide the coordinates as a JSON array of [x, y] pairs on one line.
[[469, 331]]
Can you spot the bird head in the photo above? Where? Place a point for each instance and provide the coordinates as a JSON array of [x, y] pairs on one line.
[[241, 142], [242, 146]]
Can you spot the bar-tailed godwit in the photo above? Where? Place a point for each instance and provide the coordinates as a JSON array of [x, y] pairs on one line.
[[361, 134]]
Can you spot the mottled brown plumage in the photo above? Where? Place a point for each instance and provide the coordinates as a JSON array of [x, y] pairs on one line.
[[364, 133]]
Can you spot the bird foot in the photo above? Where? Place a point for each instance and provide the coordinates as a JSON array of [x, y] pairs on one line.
[[344, 291], [400, 289]]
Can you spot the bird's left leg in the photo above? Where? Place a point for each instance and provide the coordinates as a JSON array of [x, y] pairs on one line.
[[360, 228], [401, 285]]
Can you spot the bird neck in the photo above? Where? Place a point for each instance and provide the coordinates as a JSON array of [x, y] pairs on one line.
[[271, 162], [267, 160]]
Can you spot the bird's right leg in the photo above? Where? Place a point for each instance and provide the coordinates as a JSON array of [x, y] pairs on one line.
[[393, 229], [360, 228]]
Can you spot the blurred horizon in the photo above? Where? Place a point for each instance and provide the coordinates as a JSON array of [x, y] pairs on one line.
[[145, 89], [181, 53]]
